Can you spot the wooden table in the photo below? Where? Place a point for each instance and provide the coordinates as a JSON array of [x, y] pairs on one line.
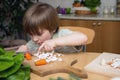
[[84, 59]]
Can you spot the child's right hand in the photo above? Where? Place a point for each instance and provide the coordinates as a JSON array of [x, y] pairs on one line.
[[48, 45]]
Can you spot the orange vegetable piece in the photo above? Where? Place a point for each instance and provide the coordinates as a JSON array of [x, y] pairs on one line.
[[40, 62], [28, 56]]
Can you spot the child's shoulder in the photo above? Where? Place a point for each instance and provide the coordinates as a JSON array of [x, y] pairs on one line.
[[62, 32]]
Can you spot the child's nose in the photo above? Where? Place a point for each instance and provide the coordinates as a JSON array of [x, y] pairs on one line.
[[35, 39]]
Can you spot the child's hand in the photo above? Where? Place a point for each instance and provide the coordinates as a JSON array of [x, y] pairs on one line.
[[48, 45], [22, 48]]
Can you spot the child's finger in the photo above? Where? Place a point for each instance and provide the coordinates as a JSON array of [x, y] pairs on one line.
[[41, 47], [47, 48]]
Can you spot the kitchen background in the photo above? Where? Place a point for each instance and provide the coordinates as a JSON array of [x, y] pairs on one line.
[[68, 3], [106, 27]]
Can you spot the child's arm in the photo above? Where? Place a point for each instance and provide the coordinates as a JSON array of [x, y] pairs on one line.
[[72, 39], [22, 48]]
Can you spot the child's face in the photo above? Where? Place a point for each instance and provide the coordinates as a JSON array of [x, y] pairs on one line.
[[45, 35]]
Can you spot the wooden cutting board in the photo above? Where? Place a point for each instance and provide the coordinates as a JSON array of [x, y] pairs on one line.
[[64, 66], [107, 70]]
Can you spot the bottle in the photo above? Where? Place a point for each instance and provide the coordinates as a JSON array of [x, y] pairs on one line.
[[58, 9]]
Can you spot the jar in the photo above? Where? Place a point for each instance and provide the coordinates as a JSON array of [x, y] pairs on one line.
[[112, 10], [106, 10]]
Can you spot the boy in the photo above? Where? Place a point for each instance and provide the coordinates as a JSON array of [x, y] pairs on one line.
[[41, 23]]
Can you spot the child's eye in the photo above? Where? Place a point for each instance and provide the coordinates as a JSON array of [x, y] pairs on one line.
[[40, 33]]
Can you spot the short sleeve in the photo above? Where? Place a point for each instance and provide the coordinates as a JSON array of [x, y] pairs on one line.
[[62, 32], [67, 49], [32, 45]]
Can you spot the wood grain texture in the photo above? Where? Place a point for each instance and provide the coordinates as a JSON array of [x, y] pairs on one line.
[[83, 60], [64, 66]]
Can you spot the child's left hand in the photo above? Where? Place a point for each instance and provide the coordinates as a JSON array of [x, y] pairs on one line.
[[47, 45], [22, 48]]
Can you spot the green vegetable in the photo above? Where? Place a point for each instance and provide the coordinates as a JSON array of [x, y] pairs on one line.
[[74, 77], [19, 75], [6, 59], [2, 51], [18, 59], [71, 77], [26, 69], [76, 1], [11, 67], [6, 62], [58, 78], [9, 53], [22, 74], [92, 4]]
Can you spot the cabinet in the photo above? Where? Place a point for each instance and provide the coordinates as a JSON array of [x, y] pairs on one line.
[[107, 34], [111, 36]]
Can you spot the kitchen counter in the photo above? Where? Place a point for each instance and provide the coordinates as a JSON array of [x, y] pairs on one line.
[[89, 17]]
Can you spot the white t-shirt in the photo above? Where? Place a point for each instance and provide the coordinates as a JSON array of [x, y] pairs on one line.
[[67, 49]]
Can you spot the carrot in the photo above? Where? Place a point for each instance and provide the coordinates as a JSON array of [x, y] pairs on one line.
[[40, 62], [28, 56]]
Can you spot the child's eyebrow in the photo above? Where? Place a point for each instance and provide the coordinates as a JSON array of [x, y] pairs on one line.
[[36, 32]]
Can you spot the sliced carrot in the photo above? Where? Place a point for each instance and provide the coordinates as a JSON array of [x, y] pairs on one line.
[[28, 56], [40, 62]]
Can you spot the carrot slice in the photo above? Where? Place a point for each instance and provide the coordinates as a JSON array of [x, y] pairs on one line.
[[28, 56], [40, 62]]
